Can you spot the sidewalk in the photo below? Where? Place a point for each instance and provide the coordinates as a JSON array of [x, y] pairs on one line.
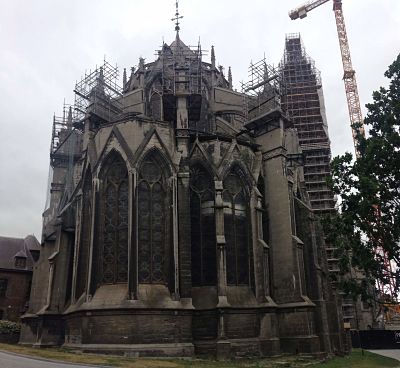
[[390, 353]]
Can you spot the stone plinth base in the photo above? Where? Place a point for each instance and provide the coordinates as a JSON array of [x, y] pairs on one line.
[[137, 350], [223, 350], [300, 344]]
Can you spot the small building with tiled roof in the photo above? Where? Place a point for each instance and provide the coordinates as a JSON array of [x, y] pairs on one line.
[[17, 259]]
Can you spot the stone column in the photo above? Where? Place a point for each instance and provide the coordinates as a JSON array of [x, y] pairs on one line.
[[175, 236], [299, 253], [182, 195], [76, 246], [260, 249], [132, 239], [95, 199], [285, 270], [184, 233], [50, 282], [322, 313], [221, 245], [223, 345]]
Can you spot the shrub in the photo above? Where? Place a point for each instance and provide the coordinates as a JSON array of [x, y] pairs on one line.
[[8, 327]]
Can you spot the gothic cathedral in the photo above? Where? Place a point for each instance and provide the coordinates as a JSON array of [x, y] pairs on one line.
[[178, 222]]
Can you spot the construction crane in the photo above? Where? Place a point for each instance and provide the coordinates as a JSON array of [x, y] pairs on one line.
[[349, 75], [353, 102]]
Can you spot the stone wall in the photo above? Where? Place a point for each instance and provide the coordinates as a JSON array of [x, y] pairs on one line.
[[14, 303]]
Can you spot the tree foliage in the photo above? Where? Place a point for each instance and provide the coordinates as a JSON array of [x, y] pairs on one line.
[[366, 231]]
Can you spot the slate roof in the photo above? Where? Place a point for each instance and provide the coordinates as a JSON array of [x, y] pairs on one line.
[[178, 43], [17, 247]]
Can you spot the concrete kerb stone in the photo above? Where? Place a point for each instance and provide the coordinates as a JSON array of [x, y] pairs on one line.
[[52, 360]]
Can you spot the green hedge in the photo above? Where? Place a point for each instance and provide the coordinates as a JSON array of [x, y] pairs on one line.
[[8, 327]]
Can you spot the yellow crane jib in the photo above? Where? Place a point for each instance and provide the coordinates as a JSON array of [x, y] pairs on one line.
[[349, 75]]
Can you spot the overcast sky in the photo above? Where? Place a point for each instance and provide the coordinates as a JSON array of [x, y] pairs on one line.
[[46, 45]]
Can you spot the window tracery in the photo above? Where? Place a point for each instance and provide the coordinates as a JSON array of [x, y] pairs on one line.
[[236, 225], [204, 264], [153, 219], [156, 106], [115, 222]]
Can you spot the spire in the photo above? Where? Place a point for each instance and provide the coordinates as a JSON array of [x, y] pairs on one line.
[[267, 85], [124, 79], [176, 18], [141, 72], [230, 77], [98, 88], [69, 118], [101, 75], [131, 79], [265, 71], [212, 57], [141, 64]]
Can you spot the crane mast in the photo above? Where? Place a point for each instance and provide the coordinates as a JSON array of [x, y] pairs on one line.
[[353, 101], [349, 75]]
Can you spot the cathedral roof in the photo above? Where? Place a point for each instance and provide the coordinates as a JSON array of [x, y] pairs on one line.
[[178, 46]]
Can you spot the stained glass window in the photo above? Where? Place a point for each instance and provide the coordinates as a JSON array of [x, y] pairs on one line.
[[156, 106], [236, 226], [204, 264], [114, 260], [153, 221]]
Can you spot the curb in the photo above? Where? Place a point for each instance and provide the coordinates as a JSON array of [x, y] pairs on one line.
[[33, 357]]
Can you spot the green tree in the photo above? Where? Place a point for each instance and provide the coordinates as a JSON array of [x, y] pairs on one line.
[[367, 226]]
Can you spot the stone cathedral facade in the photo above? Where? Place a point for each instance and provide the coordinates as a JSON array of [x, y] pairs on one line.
[[178, 222]]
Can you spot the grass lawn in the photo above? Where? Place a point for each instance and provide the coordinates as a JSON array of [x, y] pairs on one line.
[[355, 360]]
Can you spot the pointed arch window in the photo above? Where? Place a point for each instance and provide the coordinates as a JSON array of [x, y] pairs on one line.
[[237, 234], [202, 196], [83, 253], [153, 221], [114, 260], [156, 106]]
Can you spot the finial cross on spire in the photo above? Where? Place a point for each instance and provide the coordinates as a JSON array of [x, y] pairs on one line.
[[177, 17]]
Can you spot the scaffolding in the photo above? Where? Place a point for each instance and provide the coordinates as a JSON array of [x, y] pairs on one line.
[[65, 139], [262, 96], [61, 125], [304, 104], [64, 153], [99, 94], [181, 68]]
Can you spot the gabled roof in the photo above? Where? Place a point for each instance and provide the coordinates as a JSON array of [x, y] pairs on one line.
[[17, 247], [21, 254], [178, 46]]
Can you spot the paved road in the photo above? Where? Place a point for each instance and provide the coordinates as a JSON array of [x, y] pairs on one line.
[[392, 353], [15, 361]]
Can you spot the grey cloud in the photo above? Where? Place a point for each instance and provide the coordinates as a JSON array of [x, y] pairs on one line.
[[48, 44]]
